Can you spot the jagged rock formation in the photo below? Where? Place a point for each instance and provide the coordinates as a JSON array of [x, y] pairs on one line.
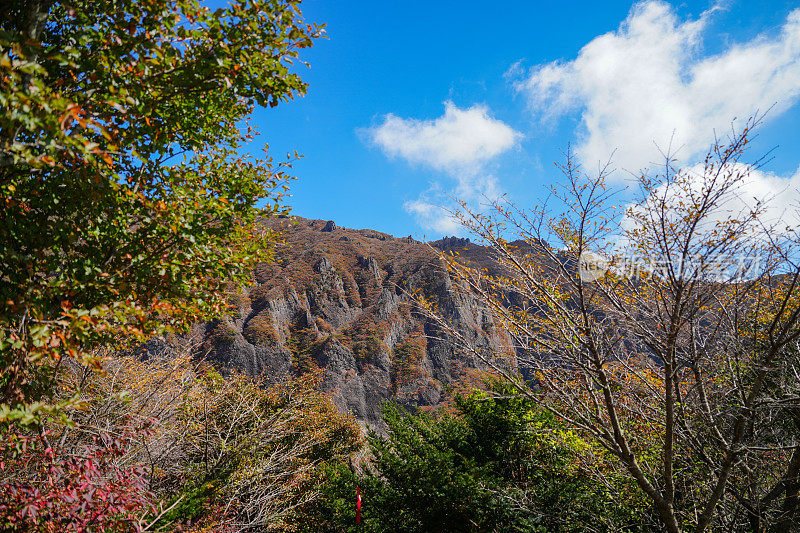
[[340, 300]]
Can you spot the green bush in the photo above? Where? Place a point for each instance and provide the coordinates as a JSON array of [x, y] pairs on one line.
[[497, 464]]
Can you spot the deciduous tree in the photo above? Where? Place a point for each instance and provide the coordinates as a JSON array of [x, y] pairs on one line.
[[126, 207], [679, 364]]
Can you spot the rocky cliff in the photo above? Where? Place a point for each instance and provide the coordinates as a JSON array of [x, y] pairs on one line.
[[340, 300]]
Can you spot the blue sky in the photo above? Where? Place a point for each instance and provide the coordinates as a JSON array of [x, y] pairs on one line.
[[412, 103]]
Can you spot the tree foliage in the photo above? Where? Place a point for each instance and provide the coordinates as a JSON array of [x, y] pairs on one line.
[[170, 445], [126, 209], [667, 353], [498, 463], [47, 488]]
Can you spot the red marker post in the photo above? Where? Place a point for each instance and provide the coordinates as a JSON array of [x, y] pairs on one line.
[[358, 505]]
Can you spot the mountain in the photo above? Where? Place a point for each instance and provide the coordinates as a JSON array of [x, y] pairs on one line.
[[340, 300]]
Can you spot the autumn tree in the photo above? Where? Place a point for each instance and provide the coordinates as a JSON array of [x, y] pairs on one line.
[[126, 207], [666, 332], [168, 444]]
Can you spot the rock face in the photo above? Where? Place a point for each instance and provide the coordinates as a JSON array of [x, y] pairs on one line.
[[340, 300]]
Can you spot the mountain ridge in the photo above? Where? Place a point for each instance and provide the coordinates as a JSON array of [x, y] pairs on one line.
[[340, 300]]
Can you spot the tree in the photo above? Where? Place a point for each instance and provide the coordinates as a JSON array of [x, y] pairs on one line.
[[127, 210], [638, 331], [256, 452], [168, 444], [498, 462]]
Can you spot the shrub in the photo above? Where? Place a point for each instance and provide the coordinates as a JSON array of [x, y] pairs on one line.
[[225, 454], [47, 487], [498, 464], [260, 330], [304, 346], [366, 337]]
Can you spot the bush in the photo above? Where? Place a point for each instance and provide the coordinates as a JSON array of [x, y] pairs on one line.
[[226, 454], [498, 464], [47, 487], [365, 337], [260, 330], [407, 356]]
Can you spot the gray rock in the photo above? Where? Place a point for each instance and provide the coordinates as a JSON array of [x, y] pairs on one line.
[[353, 306]]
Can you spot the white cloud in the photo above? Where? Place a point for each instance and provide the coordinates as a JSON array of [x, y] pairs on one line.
[[779, 197], [460, 140], [640, 84], [433, 216], [433, 208], [460, 143]]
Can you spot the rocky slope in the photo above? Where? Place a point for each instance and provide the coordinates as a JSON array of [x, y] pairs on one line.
[[339, 299]]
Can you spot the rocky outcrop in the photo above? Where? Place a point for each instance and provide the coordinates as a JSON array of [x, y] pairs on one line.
[[450, 243], [338, 300]]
